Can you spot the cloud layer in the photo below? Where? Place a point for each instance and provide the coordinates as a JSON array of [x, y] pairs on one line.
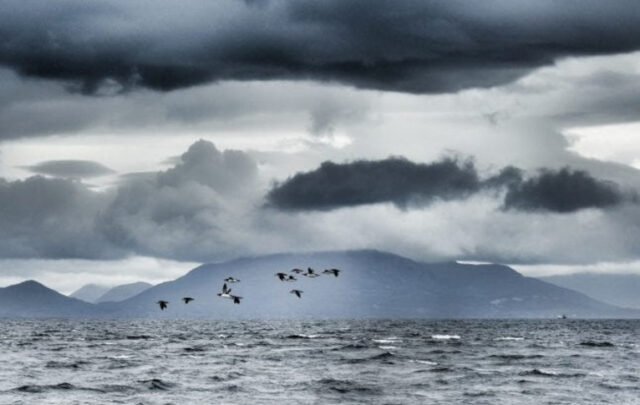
[[404, 183], [209, 206], [404, 45], [361, 182], [70, 168], [186, 212], [562, 191]]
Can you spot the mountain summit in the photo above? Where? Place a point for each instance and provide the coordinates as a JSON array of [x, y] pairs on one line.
[[372, 284], [32, 299]]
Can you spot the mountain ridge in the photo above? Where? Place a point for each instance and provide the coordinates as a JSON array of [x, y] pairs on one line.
[[123, 292], [373, 284]]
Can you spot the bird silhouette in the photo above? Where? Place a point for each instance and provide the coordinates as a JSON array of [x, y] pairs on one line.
[[310, 273], [231, 280], [297, 292], [187, 300], [335, 272], [236, 299], [225, 291], [282, 276], [297, 271], [163, 304]]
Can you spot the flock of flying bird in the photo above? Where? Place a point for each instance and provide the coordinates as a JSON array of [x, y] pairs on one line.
[[226, 291]]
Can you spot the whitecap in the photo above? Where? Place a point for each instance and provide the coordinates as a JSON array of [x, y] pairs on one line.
[[388, 340], [387, 347], [425, 362], [445, 337], [509, 338]]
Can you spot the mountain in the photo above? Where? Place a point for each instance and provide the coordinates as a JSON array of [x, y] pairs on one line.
[[617, 289], [89, 292], [123, 292], [372, 285], [32, 299]]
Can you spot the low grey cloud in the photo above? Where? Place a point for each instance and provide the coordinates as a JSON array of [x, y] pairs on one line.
[[562, 191], [52, 218], [406, 45], [192, 211], [70, 168], [403, 183], [186, 212], [395, 180]]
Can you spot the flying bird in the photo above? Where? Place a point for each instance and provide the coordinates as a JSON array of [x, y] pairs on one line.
[[187, 300], [282, 276], [310, 273], [163, 304], [231, 280], [235, 298], [335, 272], [225, 291], [297, 292], [297, 271], [291, 278]]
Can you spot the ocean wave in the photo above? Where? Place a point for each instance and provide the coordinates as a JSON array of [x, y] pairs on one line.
[[157, 384], [63, 386], [138, 337], [352, 346], [388, 340], [538, 372], [346, 386], [512, 356], [592, 343], [301, 336], [228, 377], [35, 388], [385, 356], [425, 362], [61, 364], [445, 337], [194, 349]]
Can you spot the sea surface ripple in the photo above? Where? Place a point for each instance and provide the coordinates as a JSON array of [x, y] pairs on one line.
[[319, 362]]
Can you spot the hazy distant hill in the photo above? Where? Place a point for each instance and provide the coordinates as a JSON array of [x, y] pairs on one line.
[[89, 292], [123, 292], [32, 299], [372, 285], [618, 289]]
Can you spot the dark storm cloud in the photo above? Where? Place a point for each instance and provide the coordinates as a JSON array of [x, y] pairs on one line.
[[394, 180], [562, 191], [70, 168], [404, 45], [403, 183]]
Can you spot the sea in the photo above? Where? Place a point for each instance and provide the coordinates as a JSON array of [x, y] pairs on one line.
[[561, 361]]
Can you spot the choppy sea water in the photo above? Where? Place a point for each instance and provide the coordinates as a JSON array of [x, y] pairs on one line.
[[319, 362]]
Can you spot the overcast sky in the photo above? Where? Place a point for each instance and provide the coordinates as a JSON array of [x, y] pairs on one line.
[[138, 139]]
